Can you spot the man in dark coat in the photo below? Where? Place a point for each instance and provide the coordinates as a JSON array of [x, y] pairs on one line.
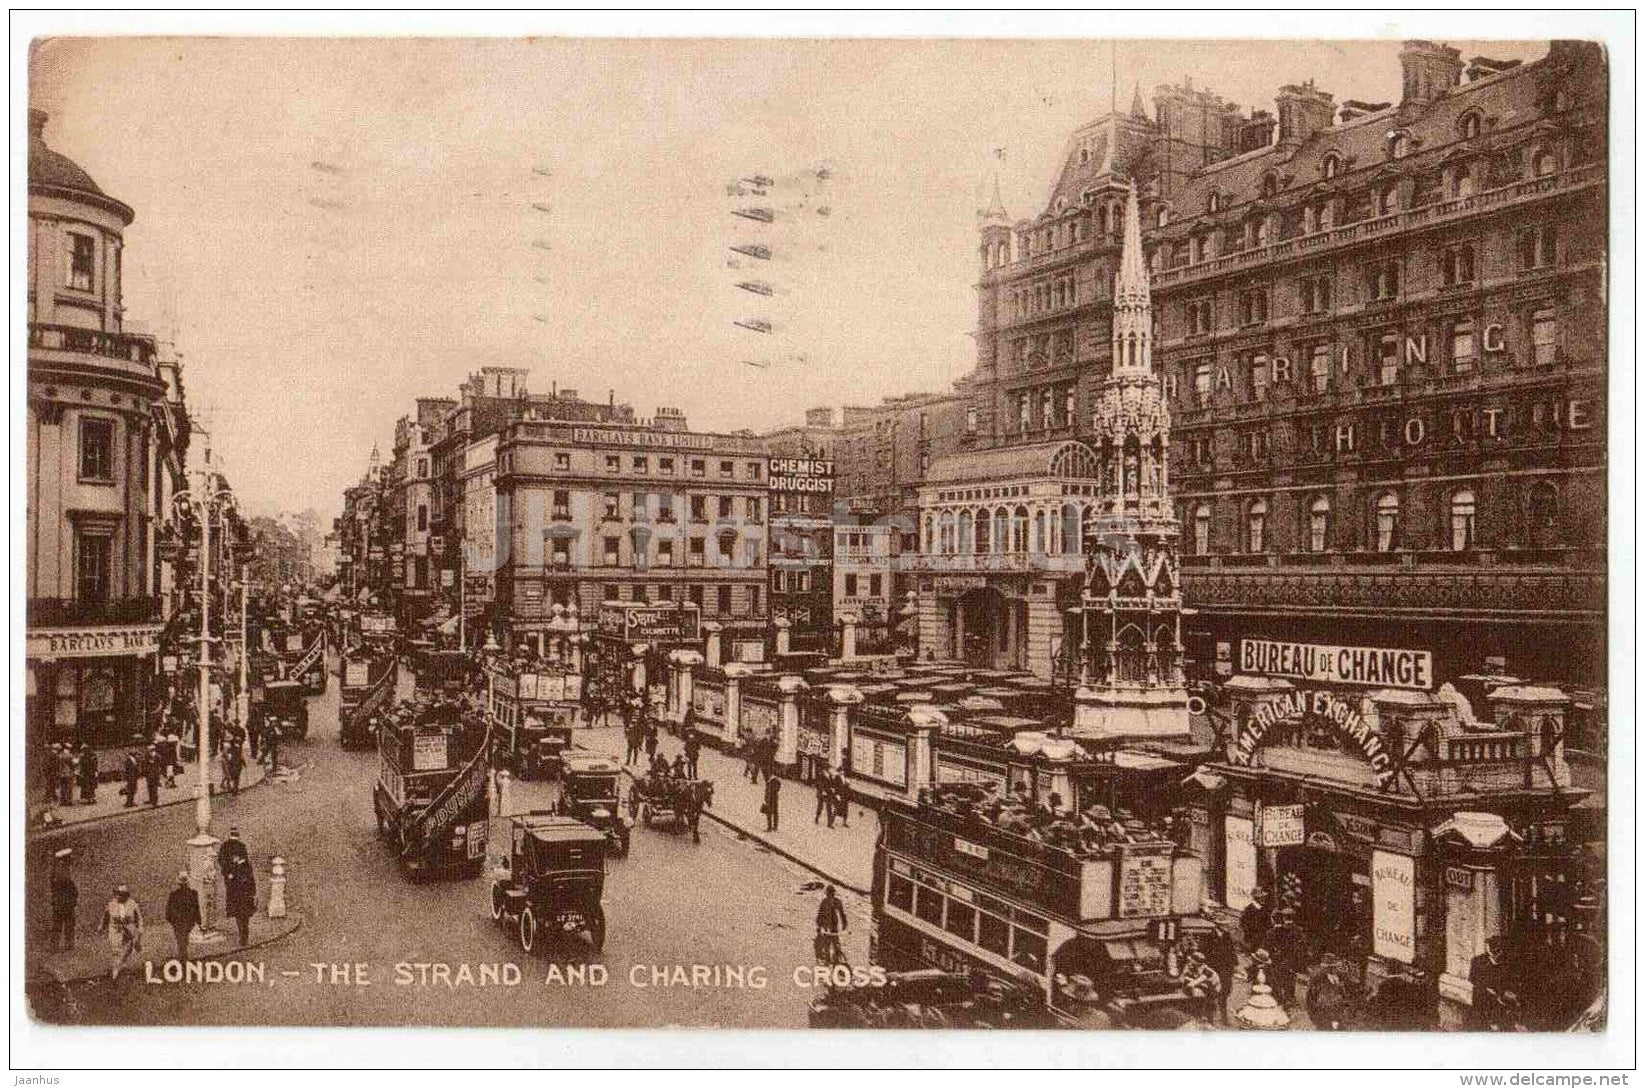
[[65, 899], [133, 769], [1290, 949], [842, 801], [1488, 973], [1329, 1002], [651, 744], [239, 883], [1255, 920], [271, 745], [831, 923], [1223, 958], [88, 775], [772, 786], [151, 774], [183, 913], [693, 746], [632, 737], [825, 799], [65, 776]]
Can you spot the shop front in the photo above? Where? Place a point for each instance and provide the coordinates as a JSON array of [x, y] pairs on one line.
[[91, 685], [1396, 826]]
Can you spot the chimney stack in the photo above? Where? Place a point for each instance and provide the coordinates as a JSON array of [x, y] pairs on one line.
[[1303, 111], [1429, 69]]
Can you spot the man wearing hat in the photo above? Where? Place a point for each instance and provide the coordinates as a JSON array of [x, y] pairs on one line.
[[239, 883], [151, 774], [65, 899], [133, 770], [183, 913], [65, 775], [87, 773]]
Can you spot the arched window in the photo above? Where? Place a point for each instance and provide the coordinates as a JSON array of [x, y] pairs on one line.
[[1039, 533], [1387, 522], [1202, 529], [1019, 530], [1399, 145], [947, 531], [1468, 125], [1073, 529], [1162, 217], [980, 543], [1331, 165], [1462, 183], [1256, 526], [1319, 524], [1462, 520], [967, 542], [1542, 516], [1002, 530], [927, 543], [1085, 155], [1213, 203], [1544, 163]]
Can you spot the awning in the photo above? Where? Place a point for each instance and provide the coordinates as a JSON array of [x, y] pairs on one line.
[[1476, 829], [449, 627], [1210, 780]]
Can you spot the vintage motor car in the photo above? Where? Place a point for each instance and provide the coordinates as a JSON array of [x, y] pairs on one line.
[[589, 791], [553, 882], [285, 703], [533, 744], [676, 803]]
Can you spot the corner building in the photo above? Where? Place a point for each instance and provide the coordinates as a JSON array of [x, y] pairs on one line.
[[1382, 333]]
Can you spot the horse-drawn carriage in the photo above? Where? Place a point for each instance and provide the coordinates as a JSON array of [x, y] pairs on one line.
[[663, 799]]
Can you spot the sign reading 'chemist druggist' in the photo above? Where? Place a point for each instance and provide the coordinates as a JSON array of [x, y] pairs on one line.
[[1381, 667]]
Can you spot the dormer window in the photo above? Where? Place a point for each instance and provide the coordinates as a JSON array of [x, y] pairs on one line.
[[1468, 126], [1162, 217], [1214, 203], [1399, 145], [1270, 184], [1085, 156], [1331, 166]]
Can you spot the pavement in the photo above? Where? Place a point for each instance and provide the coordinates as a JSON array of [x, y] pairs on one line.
[[91, 958], [111, 798], [843, 855]]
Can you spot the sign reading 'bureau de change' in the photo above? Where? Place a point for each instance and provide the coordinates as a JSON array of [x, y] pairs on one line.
[[1382, 667]]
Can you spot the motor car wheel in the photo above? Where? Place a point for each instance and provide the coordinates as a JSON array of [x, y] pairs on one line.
[[528, 930], [596, 929]]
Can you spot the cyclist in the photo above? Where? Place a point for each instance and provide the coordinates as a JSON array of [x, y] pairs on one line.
[[831, 923]]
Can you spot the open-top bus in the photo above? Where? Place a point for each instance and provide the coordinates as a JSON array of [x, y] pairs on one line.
[[1093, 931], [431, 793]]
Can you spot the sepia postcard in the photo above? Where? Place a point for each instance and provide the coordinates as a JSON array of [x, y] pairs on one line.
[[1094, 533]]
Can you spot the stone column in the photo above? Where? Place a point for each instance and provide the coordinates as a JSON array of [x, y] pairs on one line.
[[848, 636], [782, 624], [788, 720], [711, 644], [734, 674], [683, 662], [841, 698], [922, 758]]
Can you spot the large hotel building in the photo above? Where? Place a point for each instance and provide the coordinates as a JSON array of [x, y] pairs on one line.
[[1382, 333]]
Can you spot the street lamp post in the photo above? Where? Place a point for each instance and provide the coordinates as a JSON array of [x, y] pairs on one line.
[[202, 846], [242, 700]]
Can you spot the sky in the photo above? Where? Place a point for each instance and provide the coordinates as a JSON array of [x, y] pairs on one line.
[[329, 228]]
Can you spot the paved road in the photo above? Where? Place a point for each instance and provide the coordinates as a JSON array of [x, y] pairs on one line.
[[724, 902]]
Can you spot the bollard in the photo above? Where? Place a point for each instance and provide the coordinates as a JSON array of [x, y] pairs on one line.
[[277, 888], [503, 778]]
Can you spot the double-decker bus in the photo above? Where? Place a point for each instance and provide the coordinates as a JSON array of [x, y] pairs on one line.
[[431, 793], [1094, 931]]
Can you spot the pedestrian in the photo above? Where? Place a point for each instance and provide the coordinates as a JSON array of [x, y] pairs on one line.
[[772, 786], [677, 769], [691, 809], [1255, 920], [842, 800], [255, 740], [693, 747], [65, 776], [1223, 958], [751, 760], [1290, 951], [632, 736], [239, 883], [233, 767], [825, 799], [271, 746], [1488, 975], [123, 922], [1329, 1005], [651, 744], [170, 744], [133, 771], [151, 774], [183, 913], [88, 775], [50, 761], [65, 899]]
